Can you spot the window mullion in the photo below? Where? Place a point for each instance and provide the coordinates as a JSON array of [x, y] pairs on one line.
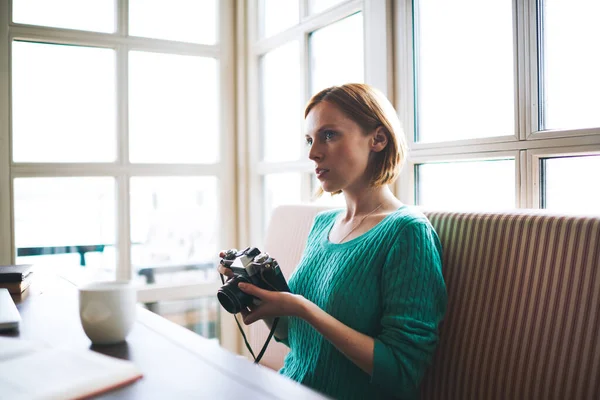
[[378, 46], [521, 53], [526, 102], [227, 112], [122, 16], [254, 122], [242, 139], [305, 66], [521, 180], [405, 89], [6, 222], [304, 11], [306, 84], [123, 268]]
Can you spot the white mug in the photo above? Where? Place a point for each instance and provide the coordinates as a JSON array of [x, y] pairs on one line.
[[107, 310]]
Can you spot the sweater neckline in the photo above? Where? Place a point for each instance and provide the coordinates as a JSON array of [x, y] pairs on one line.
[[328, 243]]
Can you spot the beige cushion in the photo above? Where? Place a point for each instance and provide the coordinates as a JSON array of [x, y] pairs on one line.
[[285, 241]]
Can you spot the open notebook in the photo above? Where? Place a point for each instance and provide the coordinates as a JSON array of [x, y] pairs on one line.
[[9, 315], [29, 370]]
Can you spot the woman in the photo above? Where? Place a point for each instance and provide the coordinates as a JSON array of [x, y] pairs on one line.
[[368, 294]]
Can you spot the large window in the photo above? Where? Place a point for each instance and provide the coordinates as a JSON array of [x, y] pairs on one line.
[[500, 103], [119, 122], [136, 141]]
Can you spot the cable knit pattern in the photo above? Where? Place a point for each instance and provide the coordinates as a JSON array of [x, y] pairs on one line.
[[386, 283]]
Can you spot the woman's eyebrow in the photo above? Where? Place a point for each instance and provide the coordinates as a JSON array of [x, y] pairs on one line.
[[322, 129], [326, 127]]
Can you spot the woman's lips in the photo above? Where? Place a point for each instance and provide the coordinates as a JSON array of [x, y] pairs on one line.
[[321, 172]]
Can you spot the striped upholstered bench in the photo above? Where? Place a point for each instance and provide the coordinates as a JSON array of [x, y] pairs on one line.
[[523, 319], [524, 305]]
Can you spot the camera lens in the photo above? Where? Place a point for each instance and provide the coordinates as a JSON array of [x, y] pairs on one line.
[[231, 297]]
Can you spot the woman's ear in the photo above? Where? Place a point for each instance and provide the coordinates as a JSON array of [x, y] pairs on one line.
[[380, 139]]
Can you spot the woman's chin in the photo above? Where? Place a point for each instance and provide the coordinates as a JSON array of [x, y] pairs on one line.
[[328, 188]]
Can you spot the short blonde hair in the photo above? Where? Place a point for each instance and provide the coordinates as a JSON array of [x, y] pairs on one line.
[[370, 109]]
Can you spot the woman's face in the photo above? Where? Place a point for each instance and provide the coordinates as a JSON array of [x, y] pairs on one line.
[[338, 147]]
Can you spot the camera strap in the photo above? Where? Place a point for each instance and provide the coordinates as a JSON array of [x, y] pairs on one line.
[[264, 348]]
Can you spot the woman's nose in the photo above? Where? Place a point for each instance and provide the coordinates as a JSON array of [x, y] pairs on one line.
[[314, 153]]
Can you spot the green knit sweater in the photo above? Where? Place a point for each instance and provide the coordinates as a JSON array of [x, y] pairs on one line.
[[387, 284]]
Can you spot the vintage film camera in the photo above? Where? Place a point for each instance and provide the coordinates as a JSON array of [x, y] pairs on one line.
[[257, 268]]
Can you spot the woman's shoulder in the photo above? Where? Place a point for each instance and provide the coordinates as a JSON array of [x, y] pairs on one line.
[[406, 216], [407, 223]]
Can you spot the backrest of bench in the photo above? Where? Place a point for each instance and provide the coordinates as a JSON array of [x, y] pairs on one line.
[[285, 240], [523, 307]]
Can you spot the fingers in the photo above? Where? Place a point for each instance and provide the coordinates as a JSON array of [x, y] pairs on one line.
[[247, 316], [250, 316], [224, 271], [253, 290]]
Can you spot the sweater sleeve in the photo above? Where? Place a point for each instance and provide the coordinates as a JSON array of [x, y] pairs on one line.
[[414, 297]]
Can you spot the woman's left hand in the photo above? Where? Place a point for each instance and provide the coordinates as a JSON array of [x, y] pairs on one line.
[[273, 304]]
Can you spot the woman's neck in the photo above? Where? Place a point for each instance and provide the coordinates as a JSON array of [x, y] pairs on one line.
[[367, 200]]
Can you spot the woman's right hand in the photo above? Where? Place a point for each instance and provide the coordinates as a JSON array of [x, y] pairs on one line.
[[224, 270]]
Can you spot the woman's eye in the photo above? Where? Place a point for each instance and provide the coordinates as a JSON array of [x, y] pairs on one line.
[[328, 135], [308, 142]]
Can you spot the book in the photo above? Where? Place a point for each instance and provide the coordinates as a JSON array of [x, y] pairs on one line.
[[30, 370], [17, 287], [15, 273]]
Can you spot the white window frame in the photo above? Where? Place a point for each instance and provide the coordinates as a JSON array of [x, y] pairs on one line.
[[414, 161], [527, 140], [6, 222], [534, 158], [121, 169]]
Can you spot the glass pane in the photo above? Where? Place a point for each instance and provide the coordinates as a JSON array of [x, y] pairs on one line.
[[282, 109], [568, 185], [173, 108], [279, 189], [467, 185], [193, 21], [337, 53], [571, 82], [174, 229], [67, 225], [63, 103], [88, 15], [278, 15], [465, 69], [316, 6], [200, 315]]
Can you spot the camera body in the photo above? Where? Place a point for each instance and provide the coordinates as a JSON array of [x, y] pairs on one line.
[[257, 268]]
